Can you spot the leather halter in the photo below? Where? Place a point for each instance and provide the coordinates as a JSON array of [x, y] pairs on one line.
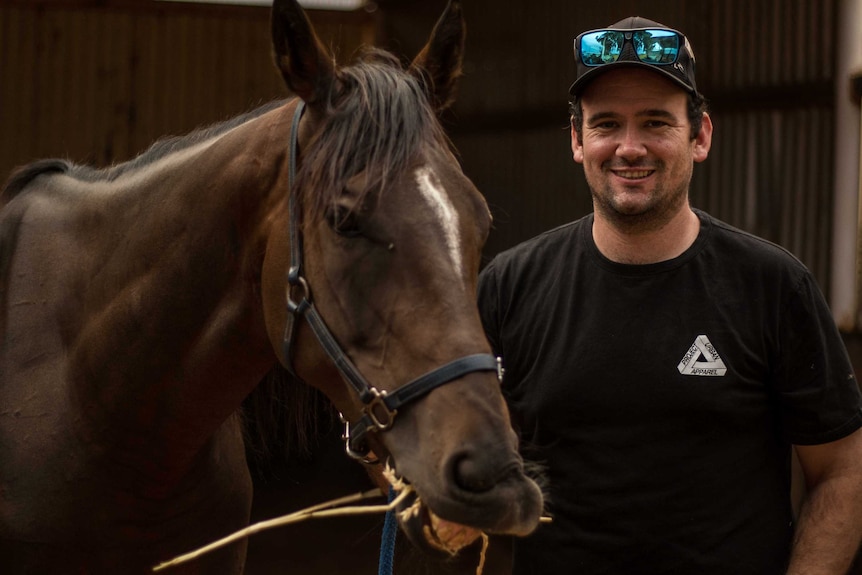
[[379, 407]]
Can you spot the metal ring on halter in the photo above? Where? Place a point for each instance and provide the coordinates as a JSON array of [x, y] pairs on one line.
[[348, 448], [298, 282]]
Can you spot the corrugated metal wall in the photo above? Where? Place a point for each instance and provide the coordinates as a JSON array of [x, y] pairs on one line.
[[771, 168], [99, 81]]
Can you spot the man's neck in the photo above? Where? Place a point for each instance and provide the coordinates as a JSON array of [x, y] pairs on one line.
[[649, 246]]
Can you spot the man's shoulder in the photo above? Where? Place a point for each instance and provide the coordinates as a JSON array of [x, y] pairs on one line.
[[741, 246], [548, 245]]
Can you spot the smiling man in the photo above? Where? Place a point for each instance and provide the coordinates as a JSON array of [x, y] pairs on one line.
[[661, 364]]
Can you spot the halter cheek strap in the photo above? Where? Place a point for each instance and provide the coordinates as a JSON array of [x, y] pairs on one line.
[[379, 407], [293, 274]]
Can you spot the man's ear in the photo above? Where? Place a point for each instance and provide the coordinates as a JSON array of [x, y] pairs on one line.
[[577, 146], [703, 140]]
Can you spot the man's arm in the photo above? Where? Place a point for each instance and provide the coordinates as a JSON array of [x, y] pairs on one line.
[[830, 526]]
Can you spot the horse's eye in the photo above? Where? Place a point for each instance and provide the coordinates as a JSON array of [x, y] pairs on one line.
[[344, 221]]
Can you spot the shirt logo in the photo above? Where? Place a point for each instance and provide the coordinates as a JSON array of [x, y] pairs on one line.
[[702, 359]]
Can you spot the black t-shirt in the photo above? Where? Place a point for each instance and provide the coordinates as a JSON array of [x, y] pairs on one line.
[[662, 399]]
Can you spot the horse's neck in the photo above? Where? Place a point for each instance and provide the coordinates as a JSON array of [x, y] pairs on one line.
[[172, 325]]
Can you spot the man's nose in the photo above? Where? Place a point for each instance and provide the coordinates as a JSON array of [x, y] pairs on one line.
[[631, 144]]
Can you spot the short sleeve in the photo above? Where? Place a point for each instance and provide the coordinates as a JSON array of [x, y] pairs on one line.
[[815, 383]]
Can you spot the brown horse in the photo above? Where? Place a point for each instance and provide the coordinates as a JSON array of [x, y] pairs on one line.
[[140, 304]]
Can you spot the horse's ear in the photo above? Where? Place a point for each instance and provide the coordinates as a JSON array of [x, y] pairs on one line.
[[439, 62], [306, 66]]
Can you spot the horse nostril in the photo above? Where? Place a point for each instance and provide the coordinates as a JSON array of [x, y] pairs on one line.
[[471, 474]]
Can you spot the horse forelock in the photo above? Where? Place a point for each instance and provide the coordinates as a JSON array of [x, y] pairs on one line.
[[378, 118]]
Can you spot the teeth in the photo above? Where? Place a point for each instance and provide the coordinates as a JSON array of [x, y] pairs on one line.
[[634, 175]]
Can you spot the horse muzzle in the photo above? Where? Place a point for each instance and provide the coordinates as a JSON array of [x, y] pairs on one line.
[[445, 523]]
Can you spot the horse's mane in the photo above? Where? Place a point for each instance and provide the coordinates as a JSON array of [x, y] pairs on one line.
[[163, 147], [282, 419], [378, 116], [166, 146]]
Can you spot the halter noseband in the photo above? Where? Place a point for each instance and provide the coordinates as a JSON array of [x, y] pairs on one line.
[[379, 407]]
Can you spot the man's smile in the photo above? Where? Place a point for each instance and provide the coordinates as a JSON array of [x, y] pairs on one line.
[[632, 174]]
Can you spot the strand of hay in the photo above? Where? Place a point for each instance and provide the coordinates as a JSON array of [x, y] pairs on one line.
[[331, 508], [485, 542]]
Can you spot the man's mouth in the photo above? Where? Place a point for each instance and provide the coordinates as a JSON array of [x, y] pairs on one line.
[[632, 174]]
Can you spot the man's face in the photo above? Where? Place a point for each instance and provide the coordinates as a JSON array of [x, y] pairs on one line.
[[636, 147]]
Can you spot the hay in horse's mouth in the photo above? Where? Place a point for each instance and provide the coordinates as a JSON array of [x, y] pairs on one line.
[[448, 536], [439, 533], [443, 535]]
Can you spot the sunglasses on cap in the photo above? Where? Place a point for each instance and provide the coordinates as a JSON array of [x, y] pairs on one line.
[[657, 46]]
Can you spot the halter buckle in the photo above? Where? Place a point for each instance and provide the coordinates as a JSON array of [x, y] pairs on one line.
[[381, 416]]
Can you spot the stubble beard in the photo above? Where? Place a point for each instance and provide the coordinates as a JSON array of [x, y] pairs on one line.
[[661, 209]]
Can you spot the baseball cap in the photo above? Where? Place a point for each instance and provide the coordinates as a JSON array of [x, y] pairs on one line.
[[634, 41]]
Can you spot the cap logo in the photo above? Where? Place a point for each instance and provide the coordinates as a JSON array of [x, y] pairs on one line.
[[689, 50]]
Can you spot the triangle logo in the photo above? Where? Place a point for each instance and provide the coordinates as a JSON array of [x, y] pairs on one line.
[[702, 359]]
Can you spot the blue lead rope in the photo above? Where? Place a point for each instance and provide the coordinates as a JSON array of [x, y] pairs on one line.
[[387, 541]]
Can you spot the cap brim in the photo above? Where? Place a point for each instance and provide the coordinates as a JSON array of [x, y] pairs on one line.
[[579, 85]]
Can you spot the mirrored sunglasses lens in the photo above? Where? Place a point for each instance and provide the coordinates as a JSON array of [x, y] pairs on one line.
[[656, 46], [602, 47]]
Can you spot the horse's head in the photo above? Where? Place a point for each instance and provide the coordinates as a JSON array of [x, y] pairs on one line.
[[391, 234]]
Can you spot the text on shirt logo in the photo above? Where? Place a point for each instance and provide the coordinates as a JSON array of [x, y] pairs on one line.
[[702, 359]]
